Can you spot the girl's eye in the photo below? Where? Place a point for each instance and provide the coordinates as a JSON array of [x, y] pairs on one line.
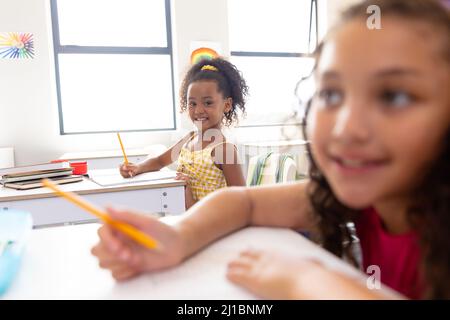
[[208, 103], [192, 104], [330, 97], [396, 99]]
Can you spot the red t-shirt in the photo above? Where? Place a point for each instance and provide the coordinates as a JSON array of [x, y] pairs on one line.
[[397, 256]]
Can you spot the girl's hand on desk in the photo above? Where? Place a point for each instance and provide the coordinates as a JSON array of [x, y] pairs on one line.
[[273, 276], [126, 258], [182, 176], [129, 170], [267, 274]]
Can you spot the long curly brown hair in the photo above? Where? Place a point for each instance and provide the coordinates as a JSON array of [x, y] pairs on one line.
[[230, 83], [429, 216]]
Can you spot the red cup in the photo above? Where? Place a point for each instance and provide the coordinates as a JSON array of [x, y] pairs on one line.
[[79, 168]]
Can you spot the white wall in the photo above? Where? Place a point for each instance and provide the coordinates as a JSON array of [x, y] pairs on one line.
[[28, 106], [192, 21]]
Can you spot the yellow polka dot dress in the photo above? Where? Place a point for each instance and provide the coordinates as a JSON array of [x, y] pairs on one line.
[[204, 176]]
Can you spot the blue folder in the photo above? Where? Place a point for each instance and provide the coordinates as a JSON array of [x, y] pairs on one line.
[[15, 227]]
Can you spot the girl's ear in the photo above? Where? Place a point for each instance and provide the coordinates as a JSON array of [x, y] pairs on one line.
[[228, 105]]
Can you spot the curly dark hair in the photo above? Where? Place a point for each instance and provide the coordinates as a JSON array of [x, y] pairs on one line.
[[429, 215], [229, 82]]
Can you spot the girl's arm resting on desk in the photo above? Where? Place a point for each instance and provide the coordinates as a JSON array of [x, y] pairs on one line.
[[230, 209], [273, 276], [213, 217]]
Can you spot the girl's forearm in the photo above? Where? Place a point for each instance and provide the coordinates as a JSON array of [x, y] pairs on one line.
[[233, 208], [213, 217], [151, 164], [320, 282]]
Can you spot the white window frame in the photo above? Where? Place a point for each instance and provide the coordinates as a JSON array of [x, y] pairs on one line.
[[75, 49], [280, 54]]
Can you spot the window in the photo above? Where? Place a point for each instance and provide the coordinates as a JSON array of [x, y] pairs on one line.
[[113, 63], [271, 42]]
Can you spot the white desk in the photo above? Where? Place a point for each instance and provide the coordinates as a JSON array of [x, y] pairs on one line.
[[47, 209], [57, 264]]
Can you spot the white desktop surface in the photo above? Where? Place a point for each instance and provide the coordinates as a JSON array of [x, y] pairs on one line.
[[48, 209], [57, 264], [83, 187]]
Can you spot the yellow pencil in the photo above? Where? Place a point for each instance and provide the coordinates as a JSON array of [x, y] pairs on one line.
[[129, 230], [123, 149]]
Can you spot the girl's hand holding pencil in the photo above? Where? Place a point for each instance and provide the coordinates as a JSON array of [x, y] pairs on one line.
[[140, 237], [129, 170], [125, 258]]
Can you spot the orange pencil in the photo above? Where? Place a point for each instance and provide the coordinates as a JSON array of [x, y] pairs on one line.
[[129, 230], [123, 149]]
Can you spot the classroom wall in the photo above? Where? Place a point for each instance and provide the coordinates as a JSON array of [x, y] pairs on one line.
[[28, 106]]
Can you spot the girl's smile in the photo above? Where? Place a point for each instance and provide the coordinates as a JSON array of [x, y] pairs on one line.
[[206, 104], [353, 164]]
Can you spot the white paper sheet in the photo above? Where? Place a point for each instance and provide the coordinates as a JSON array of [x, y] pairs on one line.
[[112, 177]]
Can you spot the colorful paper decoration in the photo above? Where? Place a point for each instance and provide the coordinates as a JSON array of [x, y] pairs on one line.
[[203, 53], [15, 45]]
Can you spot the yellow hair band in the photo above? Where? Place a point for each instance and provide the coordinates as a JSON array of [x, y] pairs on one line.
[[209, 67]]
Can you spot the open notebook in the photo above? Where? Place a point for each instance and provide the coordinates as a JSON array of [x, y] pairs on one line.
[[112, 177]]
